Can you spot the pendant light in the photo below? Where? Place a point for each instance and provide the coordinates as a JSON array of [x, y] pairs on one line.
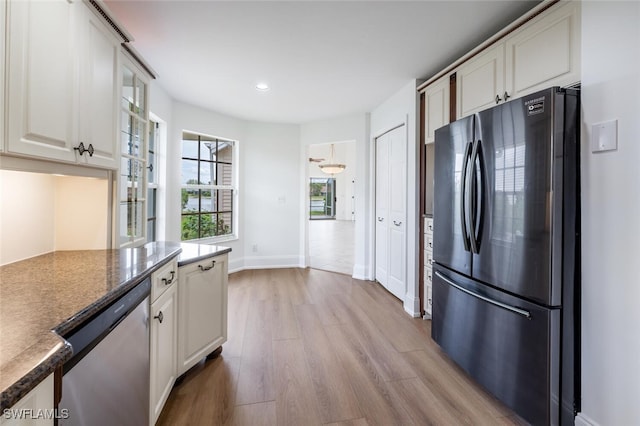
[[332, 168]]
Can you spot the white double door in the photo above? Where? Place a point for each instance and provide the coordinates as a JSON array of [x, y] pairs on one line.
[[391, 214]]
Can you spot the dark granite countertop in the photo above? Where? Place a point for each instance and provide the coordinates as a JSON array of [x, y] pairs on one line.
[[59, 291], [194, 252]]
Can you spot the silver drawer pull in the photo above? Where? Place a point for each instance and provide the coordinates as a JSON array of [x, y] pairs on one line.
[[206, 268], [169, 280], [380, 219], [397, 223]]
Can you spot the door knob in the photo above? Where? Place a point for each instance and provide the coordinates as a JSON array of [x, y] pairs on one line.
[[159, 317], [498, 99]]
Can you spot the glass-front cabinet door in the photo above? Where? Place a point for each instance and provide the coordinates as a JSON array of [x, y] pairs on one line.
[[134, 165]]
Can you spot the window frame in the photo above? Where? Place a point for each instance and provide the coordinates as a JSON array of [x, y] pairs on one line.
[[137, 111], [152, 181], [233, 187]]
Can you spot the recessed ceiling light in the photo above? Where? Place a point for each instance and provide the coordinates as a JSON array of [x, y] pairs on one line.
[[263, 87]]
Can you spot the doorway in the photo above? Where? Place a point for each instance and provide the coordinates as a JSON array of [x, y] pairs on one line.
[[331, 207], [322, 198]]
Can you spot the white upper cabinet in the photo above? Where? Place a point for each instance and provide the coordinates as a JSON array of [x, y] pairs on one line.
[[545, 53], [436, 103], [62, 83], [99, 91], [480, 81], [41, 75], [542, 53]]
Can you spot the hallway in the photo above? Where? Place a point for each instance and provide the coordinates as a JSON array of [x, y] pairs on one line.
[[331, 245]]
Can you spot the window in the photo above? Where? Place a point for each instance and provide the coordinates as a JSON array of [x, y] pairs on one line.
[[208, 187], [132, 189]]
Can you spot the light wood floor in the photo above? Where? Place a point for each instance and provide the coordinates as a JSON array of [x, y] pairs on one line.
[[331, 245], [310, 347]]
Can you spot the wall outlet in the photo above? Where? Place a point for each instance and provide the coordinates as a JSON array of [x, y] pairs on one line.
[[254, 248]]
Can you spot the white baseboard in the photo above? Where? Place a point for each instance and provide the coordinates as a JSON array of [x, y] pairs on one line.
[[236, 265], [412, 306], [584, 420], [266, 262], [360, 272]]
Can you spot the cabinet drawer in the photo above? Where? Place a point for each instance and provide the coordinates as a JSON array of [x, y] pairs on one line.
[[163, 278], [427, 275], [428, 242], [428, 226], [428, 258]]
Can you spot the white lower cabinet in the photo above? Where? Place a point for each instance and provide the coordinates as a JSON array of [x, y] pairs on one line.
[[163, 349], [202, 294], [3, 34], [428, 263], [34, 409]]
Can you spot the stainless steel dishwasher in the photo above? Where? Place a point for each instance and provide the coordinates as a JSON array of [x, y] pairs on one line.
[[106, 382]]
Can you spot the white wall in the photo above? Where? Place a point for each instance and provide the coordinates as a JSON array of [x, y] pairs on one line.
[[26, 221], [610, 212], [268, 199], [271, 196], [194, 119], [42, 212], [401, 108], [81, 213], [353, 127]]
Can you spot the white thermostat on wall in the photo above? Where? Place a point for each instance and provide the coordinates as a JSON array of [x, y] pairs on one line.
[[604, 136]]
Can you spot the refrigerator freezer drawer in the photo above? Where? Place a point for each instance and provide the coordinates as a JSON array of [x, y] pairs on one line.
[[508, 345]]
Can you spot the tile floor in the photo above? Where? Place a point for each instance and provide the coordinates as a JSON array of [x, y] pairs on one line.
[[331, 245]]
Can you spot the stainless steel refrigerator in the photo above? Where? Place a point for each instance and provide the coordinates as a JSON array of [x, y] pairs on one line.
[[506, 282]]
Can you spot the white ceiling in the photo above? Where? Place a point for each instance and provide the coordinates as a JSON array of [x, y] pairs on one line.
[[322, 59]]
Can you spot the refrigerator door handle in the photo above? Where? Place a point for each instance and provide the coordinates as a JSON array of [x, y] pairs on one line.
[[513, 309], [463, 196], [476, 195]]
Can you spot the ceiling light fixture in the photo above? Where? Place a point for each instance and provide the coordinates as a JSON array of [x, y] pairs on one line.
[[332, 168], [262, 87]]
